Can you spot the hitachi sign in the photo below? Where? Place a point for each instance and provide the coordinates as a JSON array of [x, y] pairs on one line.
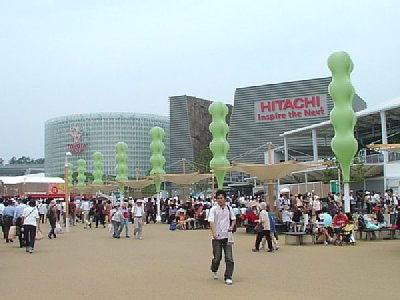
[[291, 108]]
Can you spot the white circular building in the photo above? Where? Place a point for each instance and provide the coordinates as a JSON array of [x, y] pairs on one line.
[[84, 134]]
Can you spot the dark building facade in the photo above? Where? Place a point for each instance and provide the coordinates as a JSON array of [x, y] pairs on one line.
[[189, 134], [262, 113]]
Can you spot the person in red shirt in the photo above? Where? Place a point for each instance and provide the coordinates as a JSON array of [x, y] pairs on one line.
[[251, 216], [340, 221]]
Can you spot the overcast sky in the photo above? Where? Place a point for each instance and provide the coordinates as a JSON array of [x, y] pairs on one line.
[[79, 56]]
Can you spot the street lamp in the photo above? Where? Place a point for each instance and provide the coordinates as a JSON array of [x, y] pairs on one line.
[[66, 191]]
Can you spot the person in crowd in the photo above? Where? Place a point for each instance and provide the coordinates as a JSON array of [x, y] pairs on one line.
[[326, 230], [99, 214], [72, 211], [8, 219], [31, 225], [172, 213], [19, 209], [124, 219], [52, 217], [59, 210], [109, 207], [182, 219], [42, 208], [317, 206], [222, 221], [263, 219], [150, 212], [139, 216], [252, 214], [1, 213], [296, 219], [86, 210], [353, 202], [116, 220], [286, 216], [190, 213], [339, 222], [380, 218]]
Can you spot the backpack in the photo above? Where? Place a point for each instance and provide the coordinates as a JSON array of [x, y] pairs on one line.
[[361, 222]]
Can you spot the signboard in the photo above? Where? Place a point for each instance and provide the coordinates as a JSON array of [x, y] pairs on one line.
[[77, 146], [55, 189], [300, 107]]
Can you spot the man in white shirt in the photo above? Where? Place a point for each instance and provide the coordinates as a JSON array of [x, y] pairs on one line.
[[138, 216], [222, 221], [85, 210]]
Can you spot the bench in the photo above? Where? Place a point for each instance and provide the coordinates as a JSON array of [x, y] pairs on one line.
[[294, 238], [369, 233], [389, 233]]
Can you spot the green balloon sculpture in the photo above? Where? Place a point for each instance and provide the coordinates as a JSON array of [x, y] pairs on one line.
[[98, 168], [121, 168], [343, 118], [219, 145], [70, 175], [81, 172], [157, 159]]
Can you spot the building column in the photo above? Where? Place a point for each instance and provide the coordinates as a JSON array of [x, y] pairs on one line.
[[285, 147], [314, 144], [384, 141]]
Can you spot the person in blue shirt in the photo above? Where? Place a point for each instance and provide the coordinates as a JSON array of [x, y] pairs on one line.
[[8, 219], [327, 219]]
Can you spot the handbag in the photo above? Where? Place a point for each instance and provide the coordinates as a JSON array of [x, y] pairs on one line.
[[39, 235], [12, 233], [259, 227]]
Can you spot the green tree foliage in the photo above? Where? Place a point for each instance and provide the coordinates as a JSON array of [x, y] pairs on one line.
[[202, 162], [25, 160]]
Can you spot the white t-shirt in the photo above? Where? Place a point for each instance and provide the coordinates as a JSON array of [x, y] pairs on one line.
[[138, 211], [85, 206], [30, 215], [221, 218], [1, 208], [42, 208]]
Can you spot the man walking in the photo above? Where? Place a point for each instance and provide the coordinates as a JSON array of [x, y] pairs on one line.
[[222, 220], [85, 211], [138, 216], [19, 209]]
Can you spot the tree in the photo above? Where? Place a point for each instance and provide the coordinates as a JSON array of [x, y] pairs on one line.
[[25, 160], [202, 162]]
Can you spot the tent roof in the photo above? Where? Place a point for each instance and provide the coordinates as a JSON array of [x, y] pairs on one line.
[[187, 178], [35, 178]]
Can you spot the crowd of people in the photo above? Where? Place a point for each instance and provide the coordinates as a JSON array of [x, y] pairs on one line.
[[304, 212]]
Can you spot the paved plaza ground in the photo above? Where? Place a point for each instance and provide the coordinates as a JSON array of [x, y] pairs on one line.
[[90, 264]]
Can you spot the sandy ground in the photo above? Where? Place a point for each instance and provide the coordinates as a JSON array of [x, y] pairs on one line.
[[89, 264]]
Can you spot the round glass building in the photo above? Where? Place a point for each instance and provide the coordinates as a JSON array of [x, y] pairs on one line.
[[85, 134]]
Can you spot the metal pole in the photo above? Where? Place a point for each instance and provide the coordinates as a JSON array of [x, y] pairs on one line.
[[183, 186], [212, 189], [66, 192], [270, 185], [285, 147], [384, 141], [314, 144]]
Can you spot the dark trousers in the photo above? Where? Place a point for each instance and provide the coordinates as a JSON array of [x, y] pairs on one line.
[[7, 222], [30, 235], [99, 218], [41, 218], [260, 235], [52, 227], [20, 233], [217, 246]]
